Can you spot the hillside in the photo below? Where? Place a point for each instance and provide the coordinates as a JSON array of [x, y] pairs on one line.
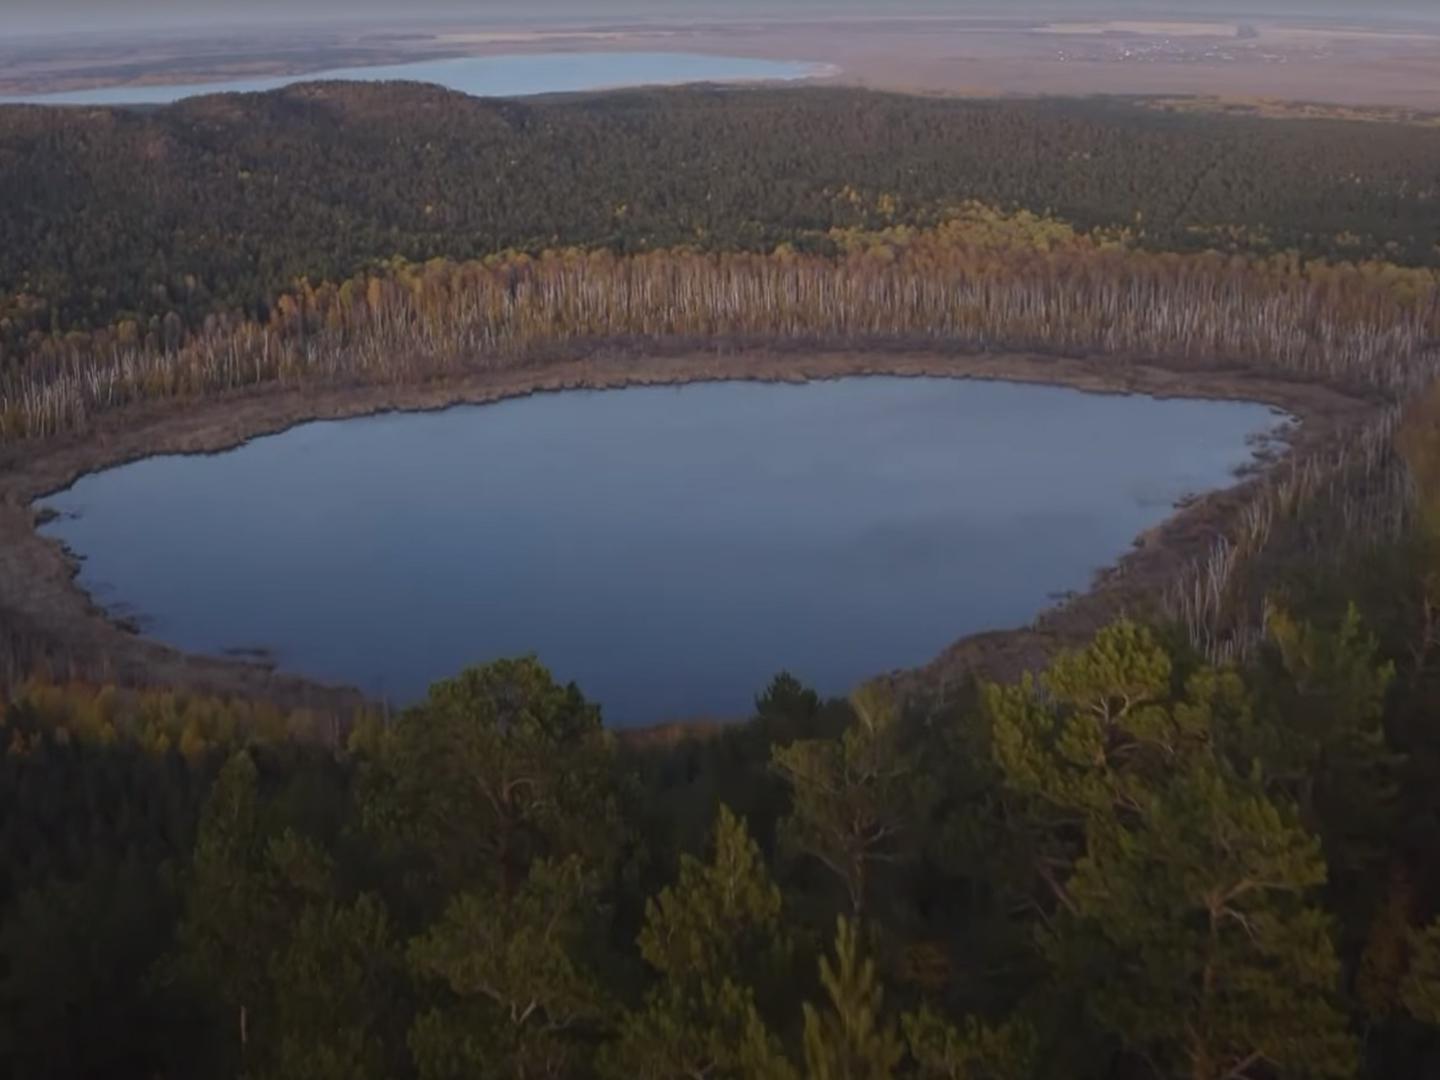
[[219, 203]]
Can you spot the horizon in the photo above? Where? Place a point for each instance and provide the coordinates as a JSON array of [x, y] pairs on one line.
[[85, 18]]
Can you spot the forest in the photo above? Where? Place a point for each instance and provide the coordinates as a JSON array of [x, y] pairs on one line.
[[218, 204], [1134, 864], [979, 280], [1202, 843]]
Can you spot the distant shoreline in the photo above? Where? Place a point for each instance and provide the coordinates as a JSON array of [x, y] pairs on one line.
[[157, 93], [37, 577], [1338, 61]]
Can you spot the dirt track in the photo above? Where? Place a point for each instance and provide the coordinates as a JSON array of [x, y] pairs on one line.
[[38, 591]]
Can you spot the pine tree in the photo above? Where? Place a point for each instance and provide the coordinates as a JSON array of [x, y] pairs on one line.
[[1420, 991], [1184, 895], [978, 1052], [1213, 959], [1323, 738], [515, 998], [850, 1038], [709, 937], [851, 797], [230, 924], [308, 978], [336, 987], [496, 768]]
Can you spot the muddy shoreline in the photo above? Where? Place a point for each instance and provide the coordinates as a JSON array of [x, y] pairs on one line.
[[37, 577]]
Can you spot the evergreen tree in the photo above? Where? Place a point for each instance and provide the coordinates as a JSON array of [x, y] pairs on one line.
[[307, 982], [515, 1002], [709, 937], [1196, 932], [231, 924], [850, 1038], [1420, 991], [337, 992], [851, 797], [978, 1052], [496, 768], [1185, 895], [1321, 734]]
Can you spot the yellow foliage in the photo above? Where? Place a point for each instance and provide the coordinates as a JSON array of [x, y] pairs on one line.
[[157, 720]]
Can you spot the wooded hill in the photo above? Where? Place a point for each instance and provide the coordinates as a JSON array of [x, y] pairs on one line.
[[220, 203]]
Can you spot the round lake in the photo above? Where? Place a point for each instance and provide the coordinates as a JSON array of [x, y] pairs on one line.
[[484, 76], [669, 549]]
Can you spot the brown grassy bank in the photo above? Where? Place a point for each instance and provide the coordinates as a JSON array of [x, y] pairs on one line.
[[51, 618]]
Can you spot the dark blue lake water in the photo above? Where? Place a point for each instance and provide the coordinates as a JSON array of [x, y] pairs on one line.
[[483, 76], [670, 549]]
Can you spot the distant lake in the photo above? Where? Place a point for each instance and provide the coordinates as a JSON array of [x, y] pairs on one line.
[[483, 76], [670, 549]]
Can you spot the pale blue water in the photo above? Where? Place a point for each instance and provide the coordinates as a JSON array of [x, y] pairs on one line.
[[670, 549], [483, 76]]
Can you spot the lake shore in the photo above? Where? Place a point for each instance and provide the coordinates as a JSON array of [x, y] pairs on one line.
[[38, 591]]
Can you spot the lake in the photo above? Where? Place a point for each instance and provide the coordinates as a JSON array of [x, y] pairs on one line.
[[670, 549], [483, 76]]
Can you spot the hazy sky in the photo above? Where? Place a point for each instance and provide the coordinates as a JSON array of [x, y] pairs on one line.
[[54, 16]]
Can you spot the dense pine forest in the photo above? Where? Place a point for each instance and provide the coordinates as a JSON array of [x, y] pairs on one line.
[[1203, 844]]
